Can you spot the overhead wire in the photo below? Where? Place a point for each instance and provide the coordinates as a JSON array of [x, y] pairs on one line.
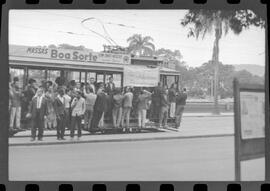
[[159, 28]]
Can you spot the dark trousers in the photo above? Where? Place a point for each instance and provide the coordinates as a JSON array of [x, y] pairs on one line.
[[60, 126], [76, 121], [88, 118], [37, 123], [67, 118], [178, 115], [96, 118]]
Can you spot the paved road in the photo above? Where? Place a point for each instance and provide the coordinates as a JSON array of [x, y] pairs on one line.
[[182, 159]]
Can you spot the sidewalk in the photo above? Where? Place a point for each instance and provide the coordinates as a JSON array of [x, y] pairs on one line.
[[197, 132]]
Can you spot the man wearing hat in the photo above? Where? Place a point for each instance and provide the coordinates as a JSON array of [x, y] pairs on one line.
[[59, 106], [38, 112]]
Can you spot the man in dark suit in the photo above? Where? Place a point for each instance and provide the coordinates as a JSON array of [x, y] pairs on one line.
[[180, 106], [59, 107], [38, 111], [110, 86], [110, 90], [99, 108]]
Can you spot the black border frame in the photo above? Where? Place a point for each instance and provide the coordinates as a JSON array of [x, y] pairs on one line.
[[113, 4]]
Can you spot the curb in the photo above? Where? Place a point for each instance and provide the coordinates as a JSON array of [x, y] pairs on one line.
[[120, 140], [231, 115]]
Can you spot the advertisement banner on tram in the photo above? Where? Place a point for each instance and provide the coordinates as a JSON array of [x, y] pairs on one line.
[[68, 54], [140, 76]]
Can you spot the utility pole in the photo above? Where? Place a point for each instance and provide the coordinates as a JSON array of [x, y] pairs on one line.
[[216, 87]]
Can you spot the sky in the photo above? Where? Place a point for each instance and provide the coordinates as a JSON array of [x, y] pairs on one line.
[[45, 27]]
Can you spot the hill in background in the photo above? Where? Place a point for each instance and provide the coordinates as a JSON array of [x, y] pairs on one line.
[[252, 68]]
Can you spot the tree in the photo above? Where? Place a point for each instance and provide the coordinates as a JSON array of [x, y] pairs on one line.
[[141, 45], [221, 21]]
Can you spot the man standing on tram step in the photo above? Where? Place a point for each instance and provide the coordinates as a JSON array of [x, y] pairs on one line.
[[90, 98], [15, 111], [172, 96], [155, 106], [59, 106], [164, 107], [28, 93], [99, 108], [180, 106], [38, 111], [142, 107], [68, 98], [110, 89], [117, 108], [92, 85], [127, 105], [78, 110]]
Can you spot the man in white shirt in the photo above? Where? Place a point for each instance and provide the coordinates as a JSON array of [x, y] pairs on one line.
[[77, 113], [59, 106], [90, 99], [38, 111], [92, 85], [67, 108]]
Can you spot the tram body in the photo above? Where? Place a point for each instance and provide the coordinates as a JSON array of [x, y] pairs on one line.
[[42, 63]]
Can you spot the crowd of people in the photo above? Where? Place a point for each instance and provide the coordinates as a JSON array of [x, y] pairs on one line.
[[53, 105]]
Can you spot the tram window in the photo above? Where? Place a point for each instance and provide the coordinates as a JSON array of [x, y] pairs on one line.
[[100, 78], [74, 75], [38, 75], [17, 73], [117, 80], [170, 80], [91, 75], [107, 77], [83, 77], [52, 75]]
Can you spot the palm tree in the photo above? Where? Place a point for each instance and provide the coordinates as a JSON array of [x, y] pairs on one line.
[[219, 21], [141, 45]]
